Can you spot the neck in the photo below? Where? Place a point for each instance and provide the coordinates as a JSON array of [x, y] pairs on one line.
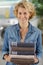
[[24, 26]]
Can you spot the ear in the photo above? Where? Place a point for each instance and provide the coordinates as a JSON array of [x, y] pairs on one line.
[[30, 15]]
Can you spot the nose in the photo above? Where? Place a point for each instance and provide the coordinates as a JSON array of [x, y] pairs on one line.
[[22, 16]]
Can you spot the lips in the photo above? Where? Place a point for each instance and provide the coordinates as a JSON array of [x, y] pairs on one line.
[[24, 20]]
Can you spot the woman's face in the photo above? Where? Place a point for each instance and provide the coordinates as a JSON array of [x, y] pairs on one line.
[[23, 16]]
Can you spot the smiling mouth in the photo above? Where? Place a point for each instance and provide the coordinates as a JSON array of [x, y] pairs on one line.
[[23, 19]]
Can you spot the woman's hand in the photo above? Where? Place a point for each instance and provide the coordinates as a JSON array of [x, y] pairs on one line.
[[36, 59], [7, 58]]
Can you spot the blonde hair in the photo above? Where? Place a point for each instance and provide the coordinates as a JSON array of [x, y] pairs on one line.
[[26, 5]]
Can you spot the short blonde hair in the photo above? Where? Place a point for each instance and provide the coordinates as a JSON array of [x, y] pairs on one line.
[[26, 5]]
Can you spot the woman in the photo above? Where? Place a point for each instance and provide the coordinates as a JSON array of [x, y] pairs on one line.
[[23, 31]]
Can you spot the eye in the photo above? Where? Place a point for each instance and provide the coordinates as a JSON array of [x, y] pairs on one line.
[[20, 13], [25, 13]]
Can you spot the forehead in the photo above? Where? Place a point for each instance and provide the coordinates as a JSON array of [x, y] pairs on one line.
[[21, 9]]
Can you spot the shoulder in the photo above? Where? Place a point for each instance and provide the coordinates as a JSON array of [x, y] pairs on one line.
[[37, 30], [10, 28]]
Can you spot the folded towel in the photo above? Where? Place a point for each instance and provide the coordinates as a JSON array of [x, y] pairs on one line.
[[22, 48]]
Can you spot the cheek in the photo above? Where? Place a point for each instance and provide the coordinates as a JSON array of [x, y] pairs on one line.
[[19, 16], [26, 17]]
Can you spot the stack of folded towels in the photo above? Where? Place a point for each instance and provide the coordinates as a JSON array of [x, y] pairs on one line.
[[22, 53]]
